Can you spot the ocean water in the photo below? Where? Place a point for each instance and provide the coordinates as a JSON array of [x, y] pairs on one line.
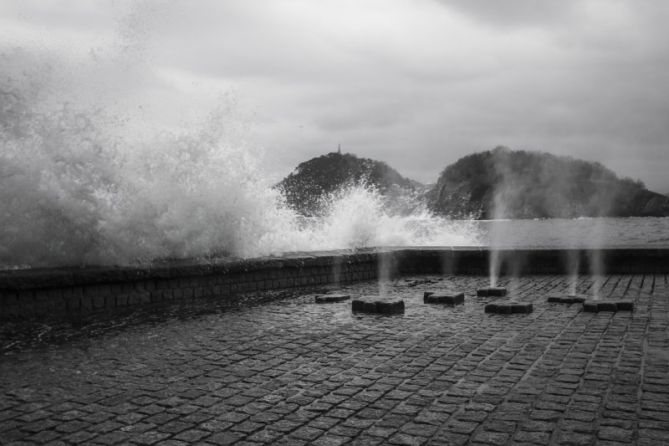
[[578, 232]]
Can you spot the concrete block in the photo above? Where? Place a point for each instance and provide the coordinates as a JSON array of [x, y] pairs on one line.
[[331, 298], [607, 306], [575, 299], [491, 291], [377, 305], [590, 306], [509, 307], [517, 307], [363, 306], [504, 308], [394, 307], [625, 305], [446, 298]]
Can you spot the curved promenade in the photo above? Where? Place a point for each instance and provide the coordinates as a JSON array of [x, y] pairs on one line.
[[291, 371]]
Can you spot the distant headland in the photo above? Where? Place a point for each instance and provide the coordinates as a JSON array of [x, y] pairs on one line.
[[498, 183]]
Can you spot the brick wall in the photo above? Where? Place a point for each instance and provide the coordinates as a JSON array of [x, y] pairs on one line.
[[76, 291]]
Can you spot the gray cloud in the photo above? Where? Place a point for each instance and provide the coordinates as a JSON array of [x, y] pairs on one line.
[[417, 84], [513, 13]]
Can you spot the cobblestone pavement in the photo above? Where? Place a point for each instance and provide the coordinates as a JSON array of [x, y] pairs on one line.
[[293, 372]]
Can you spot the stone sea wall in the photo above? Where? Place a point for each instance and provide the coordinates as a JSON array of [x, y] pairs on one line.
[[72, 292]]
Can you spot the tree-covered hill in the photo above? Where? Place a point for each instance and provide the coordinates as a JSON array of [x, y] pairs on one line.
[[319, 177], [499, 183], [502, 183]]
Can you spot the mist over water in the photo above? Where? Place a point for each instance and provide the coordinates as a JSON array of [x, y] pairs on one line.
[[82, 182]]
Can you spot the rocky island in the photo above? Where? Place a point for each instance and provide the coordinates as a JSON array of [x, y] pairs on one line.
[[498, 183], [503, 183], [314, 180]]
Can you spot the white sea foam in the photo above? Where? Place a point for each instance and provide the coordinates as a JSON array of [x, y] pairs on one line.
[[79, 184]]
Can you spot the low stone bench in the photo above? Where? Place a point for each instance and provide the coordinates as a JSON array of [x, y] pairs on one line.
[[377, 305], [508, 307], [568, 299], [430, 297], [331, 298], [595, 306], [491, 291]]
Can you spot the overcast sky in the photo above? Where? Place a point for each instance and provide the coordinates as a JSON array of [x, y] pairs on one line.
[[415, 83]]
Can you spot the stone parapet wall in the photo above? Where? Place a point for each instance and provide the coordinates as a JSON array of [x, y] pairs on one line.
[[517, 261], [71, 292], [77, 291]]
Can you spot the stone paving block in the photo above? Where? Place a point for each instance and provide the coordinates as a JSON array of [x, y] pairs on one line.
[[46, 437], [492, 438], [574, 439], [366, 440], [331, 440], [192, 435], [461, 427], [401, 439], [150, 438], [532, 437], [331, 298], [112, 438], [225, 438], [659, 435], [443, 298], [615, 434], [306, 433], [491, 291]]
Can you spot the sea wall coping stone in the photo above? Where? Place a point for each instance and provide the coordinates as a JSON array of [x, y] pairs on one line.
[[462, 260]]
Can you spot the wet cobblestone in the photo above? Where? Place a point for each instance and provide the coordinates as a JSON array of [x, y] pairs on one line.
[[294, 372]]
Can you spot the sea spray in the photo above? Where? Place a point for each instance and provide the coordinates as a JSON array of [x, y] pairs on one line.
[[359, 216], [573, 267], [500, 200], [80, 185]]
